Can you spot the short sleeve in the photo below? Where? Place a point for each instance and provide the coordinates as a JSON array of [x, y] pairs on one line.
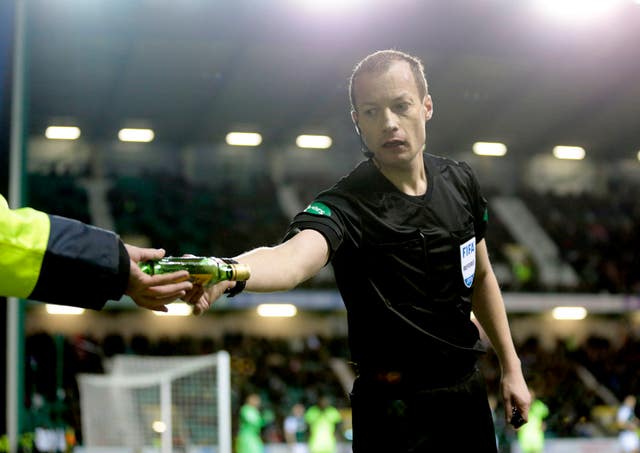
[[479, 205], [323, 216]]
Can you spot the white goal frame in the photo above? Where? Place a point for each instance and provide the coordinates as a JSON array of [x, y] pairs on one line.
[[185, 366]]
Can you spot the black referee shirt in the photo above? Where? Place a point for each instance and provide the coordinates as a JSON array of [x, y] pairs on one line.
[[404, 264]]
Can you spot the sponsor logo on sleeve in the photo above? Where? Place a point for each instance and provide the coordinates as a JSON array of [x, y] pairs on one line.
[[318, 208]]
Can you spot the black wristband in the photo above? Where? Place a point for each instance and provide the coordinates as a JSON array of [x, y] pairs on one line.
[[240, 285]]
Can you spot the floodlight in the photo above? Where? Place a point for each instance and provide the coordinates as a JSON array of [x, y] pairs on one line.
[[569, 152], [62, 133], [243, 138], [569, 313], [136, 135], [177, 309], [578, 10], [314, 141], [63, 310], [277, 310], [489, 149]]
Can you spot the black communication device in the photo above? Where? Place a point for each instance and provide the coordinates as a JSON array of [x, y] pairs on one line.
[[516, 418]]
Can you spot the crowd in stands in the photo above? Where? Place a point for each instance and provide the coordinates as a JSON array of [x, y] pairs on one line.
[[59, 195], [597, 235], [186, 218], [286, 371], [282, 371]]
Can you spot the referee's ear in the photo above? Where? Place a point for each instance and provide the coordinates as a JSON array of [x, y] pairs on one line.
[[428, 107], [354, 118]]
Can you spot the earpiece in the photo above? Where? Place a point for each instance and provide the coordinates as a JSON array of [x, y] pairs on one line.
[[365, 150]]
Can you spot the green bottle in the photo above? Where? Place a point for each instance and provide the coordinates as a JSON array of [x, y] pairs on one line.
[[203, 271]]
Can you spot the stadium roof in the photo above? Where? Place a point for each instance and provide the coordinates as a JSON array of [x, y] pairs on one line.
[[193, 70]]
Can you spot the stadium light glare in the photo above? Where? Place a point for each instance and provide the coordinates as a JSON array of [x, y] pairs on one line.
[[569, 313], [277, 310], [578, 10], [175, 309], [136, 135], [314, 141], [62, 133], [158, 426], [489, 149], [328, 6], [569, 152], [63, 310], [243, 139]]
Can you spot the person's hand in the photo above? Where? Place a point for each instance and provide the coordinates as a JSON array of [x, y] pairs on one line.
[[154, 292], [203, 298], [515, 395]]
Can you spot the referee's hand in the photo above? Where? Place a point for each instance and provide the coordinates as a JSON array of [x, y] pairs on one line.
[[201, 299]]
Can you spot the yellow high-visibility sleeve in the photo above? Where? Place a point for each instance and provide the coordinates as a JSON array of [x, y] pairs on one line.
[[23, 241]]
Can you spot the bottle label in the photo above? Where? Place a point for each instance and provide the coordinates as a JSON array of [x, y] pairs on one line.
[[200, 279]]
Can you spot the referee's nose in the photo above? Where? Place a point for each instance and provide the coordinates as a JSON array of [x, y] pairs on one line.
[[390, 120]]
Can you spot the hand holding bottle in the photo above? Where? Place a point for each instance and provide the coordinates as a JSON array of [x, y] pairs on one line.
[[211, 277], [202, 270], [154, 292], [203, 298]]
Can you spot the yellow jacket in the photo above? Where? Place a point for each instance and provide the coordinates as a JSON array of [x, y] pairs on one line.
[[59, 260]]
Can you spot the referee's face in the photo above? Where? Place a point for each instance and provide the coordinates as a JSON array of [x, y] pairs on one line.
[[391, 115]]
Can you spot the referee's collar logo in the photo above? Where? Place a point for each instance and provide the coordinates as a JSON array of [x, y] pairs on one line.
[[318, 208], [468, 261]]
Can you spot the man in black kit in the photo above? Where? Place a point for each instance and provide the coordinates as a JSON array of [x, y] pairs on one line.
[[404, 232]]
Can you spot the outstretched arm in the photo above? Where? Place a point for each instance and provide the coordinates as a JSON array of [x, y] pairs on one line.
[[285, 266], [278, 268], [489, 310]]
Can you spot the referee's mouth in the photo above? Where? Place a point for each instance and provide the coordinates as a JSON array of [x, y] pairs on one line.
[[394, 143]]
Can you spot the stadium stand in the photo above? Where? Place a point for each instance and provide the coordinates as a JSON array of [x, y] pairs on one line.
[[288, 370], [597, 235], [59, 195]]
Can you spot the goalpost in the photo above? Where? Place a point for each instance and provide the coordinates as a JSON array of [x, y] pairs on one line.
[[158, 404]]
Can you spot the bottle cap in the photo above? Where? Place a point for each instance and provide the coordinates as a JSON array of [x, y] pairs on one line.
[[241, 272]]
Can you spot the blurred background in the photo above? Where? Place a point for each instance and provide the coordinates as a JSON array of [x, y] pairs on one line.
[[178, 124]]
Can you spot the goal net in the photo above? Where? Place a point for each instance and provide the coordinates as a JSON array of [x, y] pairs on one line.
[[158, 404]]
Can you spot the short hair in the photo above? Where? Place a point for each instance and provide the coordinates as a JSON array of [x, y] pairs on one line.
[[380, 61]]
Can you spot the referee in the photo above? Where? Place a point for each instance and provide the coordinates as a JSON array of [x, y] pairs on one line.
[[404, 232]]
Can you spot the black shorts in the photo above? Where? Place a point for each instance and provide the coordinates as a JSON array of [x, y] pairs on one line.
[[391, 419]]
